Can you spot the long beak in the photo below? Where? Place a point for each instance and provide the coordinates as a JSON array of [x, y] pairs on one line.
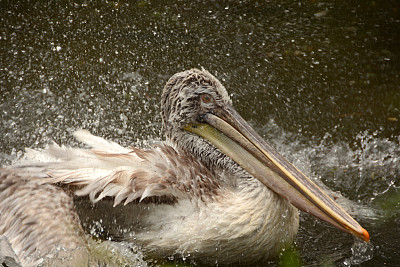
[[228, 131]]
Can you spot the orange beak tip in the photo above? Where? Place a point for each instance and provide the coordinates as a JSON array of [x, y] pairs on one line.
[[365, 235]]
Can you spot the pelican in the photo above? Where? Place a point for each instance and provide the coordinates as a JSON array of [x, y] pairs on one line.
[[213, 191]]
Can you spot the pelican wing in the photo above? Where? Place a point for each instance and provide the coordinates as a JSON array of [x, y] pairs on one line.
[[110, 170], [31, 237]]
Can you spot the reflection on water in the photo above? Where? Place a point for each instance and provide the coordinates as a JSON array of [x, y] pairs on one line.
[[320, 80]]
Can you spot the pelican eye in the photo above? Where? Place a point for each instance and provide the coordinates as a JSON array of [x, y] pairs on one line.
[[206, 99]]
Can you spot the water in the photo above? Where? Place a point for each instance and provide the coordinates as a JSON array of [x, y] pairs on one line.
[[366, 173], [319, 80]]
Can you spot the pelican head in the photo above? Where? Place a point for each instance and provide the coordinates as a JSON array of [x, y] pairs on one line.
[[187, 97], [198, 117]]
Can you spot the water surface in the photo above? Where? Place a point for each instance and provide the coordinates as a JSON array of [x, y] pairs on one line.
[[319, 80]]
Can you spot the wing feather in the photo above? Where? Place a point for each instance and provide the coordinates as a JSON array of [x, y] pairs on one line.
[[110, 170]]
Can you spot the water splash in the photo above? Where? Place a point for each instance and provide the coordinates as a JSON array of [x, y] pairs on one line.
[[364, 175], [360, 171], [360, 252]]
